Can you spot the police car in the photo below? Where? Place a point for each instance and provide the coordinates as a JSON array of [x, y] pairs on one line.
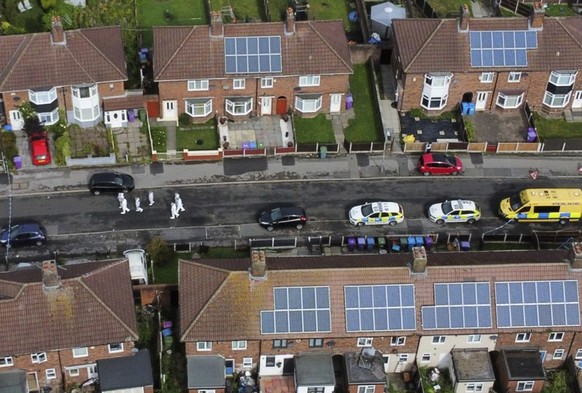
[[376, 213], [458, 210]]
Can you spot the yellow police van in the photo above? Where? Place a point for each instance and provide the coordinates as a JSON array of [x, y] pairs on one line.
[[544, 204]]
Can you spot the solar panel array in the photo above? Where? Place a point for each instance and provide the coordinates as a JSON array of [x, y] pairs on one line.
[[298, 310], [537, 303], [244, 55], [501, 48], [459, 306], [380, 308]]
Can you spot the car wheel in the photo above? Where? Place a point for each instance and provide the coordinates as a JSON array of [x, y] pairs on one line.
[[564, 221], [360, 224], [299, 226], [440, 221], [96, 192], [392, 223], [426, 173], [270, 228], [454, 173], [471, 221]]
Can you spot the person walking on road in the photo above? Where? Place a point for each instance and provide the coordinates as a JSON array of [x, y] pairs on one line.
[[124, 208], [138, 205], [174, 211], [178, 202], [151, 197]]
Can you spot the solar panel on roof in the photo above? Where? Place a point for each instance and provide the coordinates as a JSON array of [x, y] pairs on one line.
[[459, 306], [537, 303], [380, 308], [298, 310], [501, 48], [252, 55]]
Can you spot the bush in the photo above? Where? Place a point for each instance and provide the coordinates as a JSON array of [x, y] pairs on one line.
[[416, 112], [62, 149], [159, 251], [469, 130], [9, 147], [184, 120]]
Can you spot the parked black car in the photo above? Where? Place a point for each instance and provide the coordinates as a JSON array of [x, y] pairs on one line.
[[23, 234], [283, 216], [111, 182]]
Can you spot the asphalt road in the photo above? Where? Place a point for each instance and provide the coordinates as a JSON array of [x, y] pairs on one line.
[[82, 224]]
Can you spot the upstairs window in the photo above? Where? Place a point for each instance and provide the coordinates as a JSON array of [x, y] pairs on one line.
[[487, 77], [198, 85], [398, 341], [364, 342], [309, 80], [204, 346], [6, 361], [514, 77], [239, 345], [84, 91], [42, 97], [556, 336], [522, 337], [280, 343], [238, 84], [39, 357], [81, 352], [114, 348], [267, 83]]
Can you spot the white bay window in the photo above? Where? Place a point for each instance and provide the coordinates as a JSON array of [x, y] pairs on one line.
[[435, 91]]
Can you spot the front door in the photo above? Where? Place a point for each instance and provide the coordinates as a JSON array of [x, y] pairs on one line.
[[16, 120], [281, 105], [266, 105], [481, 100], [115, 118], [170, 111], [577, 103], [336, 103]]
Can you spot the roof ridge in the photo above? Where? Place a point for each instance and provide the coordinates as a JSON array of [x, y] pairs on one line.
[[81, 32], [178, 49], [27, 39], [311, 24], [441, 23]]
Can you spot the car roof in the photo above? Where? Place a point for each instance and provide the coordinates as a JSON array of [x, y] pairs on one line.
[[463, 204], [382, 206], [291, 210], [436, 157], [105, 176]]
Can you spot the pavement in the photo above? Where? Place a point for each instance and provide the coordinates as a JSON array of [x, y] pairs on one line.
[[343, 167]]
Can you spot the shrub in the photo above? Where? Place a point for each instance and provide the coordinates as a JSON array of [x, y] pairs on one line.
[[469, 130], [9, 147], [416, 112], [184, 120], [62, 149], [159, 251]]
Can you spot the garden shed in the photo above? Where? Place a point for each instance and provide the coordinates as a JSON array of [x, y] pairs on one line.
[[382, 16]]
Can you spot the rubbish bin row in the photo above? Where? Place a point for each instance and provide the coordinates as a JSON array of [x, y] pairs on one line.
[[391, 244]]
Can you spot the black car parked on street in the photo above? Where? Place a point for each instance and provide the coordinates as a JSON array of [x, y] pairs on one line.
[[283, 216], [111, 182]]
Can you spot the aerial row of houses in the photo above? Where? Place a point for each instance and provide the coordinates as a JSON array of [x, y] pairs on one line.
[[243, 70], [308, 324]]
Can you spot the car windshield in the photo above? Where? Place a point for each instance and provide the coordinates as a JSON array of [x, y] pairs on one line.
[[367, 209], [447, 207], [276, 214], [515, 202], [118, 180], [451, 160]]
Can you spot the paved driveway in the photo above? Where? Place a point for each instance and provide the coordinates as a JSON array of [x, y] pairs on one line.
[[500, 126]]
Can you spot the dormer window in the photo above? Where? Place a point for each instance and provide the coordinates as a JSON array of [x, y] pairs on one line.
[[42, 97]]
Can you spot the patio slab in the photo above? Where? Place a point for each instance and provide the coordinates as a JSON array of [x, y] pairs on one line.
[[500, 126], [429, 130]]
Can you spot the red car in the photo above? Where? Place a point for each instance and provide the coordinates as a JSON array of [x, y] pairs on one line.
[[439, 164], [39, 149]]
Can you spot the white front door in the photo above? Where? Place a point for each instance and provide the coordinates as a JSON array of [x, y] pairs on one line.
[[577, 103], [16, 120], [170, 111], [481, 100], [335, 103], [266, 105], [115, 118]]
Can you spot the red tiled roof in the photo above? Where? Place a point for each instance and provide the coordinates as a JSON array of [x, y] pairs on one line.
[[93, 308], [132, 100], [316, 47], [429, 45], [209, 295], [30, 61]]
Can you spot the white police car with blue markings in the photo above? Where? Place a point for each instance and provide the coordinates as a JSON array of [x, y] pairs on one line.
[[458, 210], [376, 213]]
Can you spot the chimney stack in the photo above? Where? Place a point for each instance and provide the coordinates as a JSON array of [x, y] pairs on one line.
[[50, 276], [536, 20], [419, 259], [290, 22], [216, 26], [575, 255], [258, 264], [57, 32], [464, 19]]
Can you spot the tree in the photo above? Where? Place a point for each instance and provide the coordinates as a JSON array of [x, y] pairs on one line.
[[559, 381]]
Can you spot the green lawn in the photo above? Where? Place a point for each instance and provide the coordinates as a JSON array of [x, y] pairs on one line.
[[318, 10], [556, 128], [159, 139], [367, 125], [444, 7], [559, 10], [169, 13], [314, 130], [243, 10], [197, 138]]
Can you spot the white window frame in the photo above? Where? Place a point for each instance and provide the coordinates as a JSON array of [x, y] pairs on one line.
[[86, 113], [398, 341], [524, 386], [425, 358], [556, 100], [403, 357], [514, 77], [238, 84], [74, 372], [6, 361], [435, 90], [437, 80], [556, 337], [280, 343], [309, 80], [522, 337], [50, 373], [474, 387], [42, 97], [474, 339], [115, 348], [487, 77], [207, 391], [92, 90], [267, 83], [578, 355], [439, 339], [197, 107], [558, 354], [364, 342], [39, 357], [232, 106], [315, 342], [49, 118], [198, 85], [247, 362], [239, 345], [80, 352], [502, 101], [203, 346], [366, 388], [562, 78], [308, 105]]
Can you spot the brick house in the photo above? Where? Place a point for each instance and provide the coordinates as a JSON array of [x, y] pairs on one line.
[[495, 63], [73, 71], [62, 320], [414, 309], [249, 69]]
